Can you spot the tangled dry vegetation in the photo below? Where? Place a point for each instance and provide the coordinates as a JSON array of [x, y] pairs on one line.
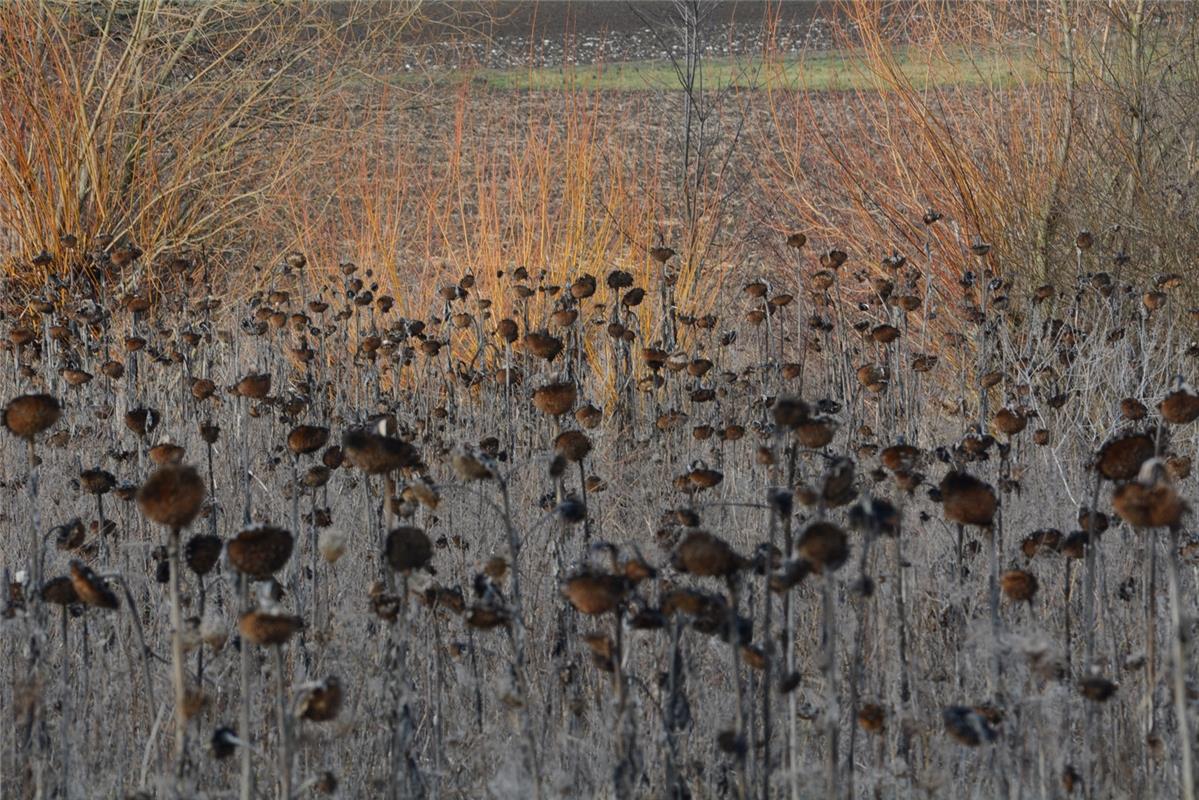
[[476, 487], [323, 545]]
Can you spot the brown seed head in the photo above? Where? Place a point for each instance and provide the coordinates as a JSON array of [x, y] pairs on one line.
[[824, 546], [166, 453], [572, 445], [966, 500], [900, 457], [1180, 406], [1151, 501], [323, 701], [705, 554], [408, 548], [260, 552], [1010, 422], [1120, 459], [1133, 409], [254, 386], [28, 415], [1097, 689], [1018, 585], [97, 481], [60, 591], [556, 399], [542, 345], [142, 420], [201, 553], [589, 416], [203, 388], [307, 439], [376, 454], [172, 496], [469, 465], [816, 432], [1043, 540], [594, 593], [269, 628], [872, 718]]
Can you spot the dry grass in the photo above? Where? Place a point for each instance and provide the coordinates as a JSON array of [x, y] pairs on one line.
[[139, 123]]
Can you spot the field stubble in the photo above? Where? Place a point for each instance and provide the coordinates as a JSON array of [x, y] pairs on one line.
[[700, 585]]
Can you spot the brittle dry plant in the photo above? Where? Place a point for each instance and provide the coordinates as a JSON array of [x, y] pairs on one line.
[[497, 479]]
